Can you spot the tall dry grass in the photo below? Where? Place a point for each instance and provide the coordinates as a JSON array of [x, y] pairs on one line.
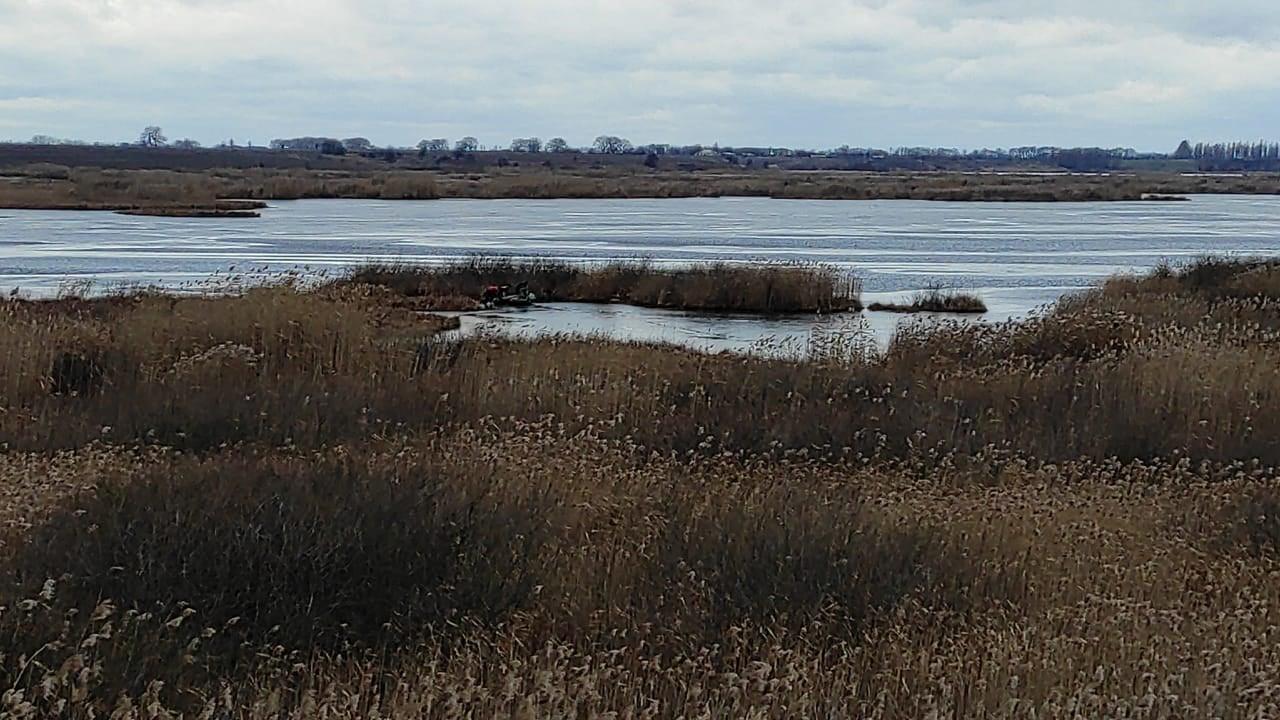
[[1129, 371], [714, 287], [531, 571], [302, 503]]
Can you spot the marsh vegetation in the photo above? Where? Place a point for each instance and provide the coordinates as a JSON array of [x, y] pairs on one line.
[[935, 300], [52, 186], [710, 287], [306, 502]]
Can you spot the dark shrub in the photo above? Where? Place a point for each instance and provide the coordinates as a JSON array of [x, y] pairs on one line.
[[1256, 520], [76, 374], [312, 551]]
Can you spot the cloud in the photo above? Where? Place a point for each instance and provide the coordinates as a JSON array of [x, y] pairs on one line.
[[803, 72], [38, 104], [1135, 98]]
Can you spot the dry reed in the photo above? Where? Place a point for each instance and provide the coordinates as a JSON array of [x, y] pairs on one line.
[[718, 287], [303, 503], [935, 300]]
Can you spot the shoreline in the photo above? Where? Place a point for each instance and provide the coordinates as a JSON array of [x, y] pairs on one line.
[[39, 187], [265, 204]]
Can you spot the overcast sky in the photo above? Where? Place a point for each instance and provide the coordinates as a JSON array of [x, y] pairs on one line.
[[803, 73]]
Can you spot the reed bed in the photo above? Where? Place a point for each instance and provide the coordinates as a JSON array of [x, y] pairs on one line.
[[307, 502], [713, 287], [936, 300], [335, 364]]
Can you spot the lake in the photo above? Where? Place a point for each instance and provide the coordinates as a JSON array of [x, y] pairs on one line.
[[1017, 256]]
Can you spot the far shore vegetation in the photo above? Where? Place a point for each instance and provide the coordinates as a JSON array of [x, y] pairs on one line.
[[168, 181], [303, 501]]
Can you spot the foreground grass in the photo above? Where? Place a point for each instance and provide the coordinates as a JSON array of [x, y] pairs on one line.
[[533, 572], [772, 288], [306, 503]]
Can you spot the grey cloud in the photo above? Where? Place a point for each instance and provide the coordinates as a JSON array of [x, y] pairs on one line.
[[804, 72]]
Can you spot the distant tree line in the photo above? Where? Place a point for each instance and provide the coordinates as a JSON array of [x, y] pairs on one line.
[[1208, 156], [325, 145], [1234, 156], [1260, 155], [51, 140]]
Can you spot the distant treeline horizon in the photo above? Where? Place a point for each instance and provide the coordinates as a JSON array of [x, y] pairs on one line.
[[1202, 156]]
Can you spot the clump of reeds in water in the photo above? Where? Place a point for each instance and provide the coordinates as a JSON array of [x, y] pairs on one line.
[[712, 287], [935, 300]]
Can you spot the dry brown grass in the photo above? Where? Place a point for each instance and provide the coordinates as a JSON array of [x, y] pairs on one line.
[[169, 190], [1129, 371], [303, 503], [935, 300], [769, 288], [42, 185], [565, 574]]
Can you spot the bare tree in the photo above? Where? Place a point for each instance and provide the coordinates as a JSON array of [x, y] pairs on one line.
[[557, 145], [467, 144], [612, 145], [152, 136], [187, 144]]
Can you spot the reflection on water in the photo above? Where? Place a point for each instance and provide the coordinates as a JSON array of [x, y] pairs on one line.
[[1017, 256], [786, 335]]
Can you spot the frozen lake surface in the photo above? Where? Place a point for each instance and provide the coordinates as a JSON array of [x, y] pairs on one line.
[[1017, 256]]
